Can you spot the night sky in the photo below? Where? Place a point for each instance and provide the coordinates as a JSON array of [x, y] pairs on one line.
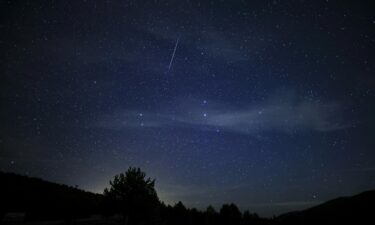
[[267, 104]]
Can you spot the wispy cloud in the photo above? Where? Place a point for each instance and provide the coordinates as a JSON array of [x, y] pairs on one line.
[[281, 115]]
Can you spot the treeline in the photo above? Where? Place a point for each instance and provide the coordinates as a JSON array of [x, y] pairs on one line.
[[227, 215], [133, 195], [131, 199]]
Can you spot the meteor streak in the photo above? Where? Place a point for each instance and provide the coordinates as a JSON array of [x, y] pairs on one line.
[[174, 52]]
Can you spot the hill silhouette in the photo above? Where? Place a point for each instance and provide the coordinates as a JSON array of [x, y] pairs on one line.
[[43, 200], [357, 209]]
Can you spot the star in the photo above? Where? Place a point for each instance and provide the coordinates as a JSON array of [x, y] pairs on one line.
[[251, 88]]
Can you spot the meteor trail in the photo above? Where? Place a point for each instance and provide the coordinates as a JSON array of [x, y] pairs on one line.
[[174, 52]]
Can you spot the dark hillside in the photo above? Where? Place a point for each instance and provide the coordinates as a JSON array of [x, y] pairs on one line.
[[40, 199], [358, 209]]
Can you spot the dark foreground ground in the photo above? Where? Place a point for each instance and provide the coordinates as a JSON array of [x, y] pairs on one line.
[[29, 201]]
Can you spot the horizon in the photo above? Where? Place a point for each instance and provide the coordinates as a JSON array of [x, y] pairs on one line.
[[215, 206], [266, 104], [307, 205]]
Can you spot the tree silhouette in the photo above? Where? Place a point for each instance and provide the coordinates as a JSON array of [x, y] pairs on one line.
[[134, 195], [180, 214], [230, 214], [211, 215], [247, 216]]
